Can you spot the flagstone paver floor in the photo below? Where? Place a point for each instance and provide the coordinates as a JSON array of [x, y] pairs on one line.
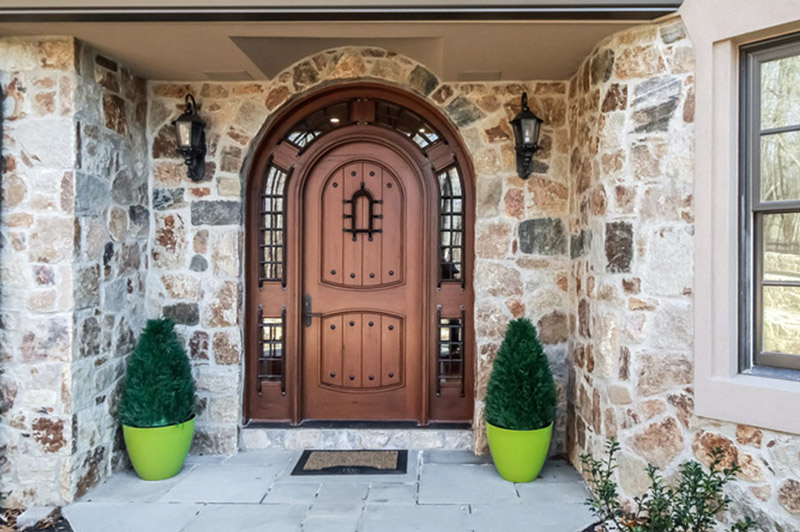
[[442, 491]]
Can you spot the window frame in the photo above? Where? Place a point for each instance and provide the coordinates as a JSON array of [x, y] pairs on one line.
[[753, 360]]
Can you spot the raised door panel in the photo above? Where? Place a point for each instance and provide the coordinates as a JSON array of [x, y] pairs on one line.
[[362, 227]]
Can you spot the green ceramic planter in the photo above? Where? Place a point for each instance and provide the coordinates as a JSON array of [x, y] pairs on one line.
[[158, 453], [519, 454]]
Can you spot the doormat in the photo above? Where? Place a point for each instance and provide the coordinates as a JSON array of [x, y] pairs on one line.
[[351, 463]]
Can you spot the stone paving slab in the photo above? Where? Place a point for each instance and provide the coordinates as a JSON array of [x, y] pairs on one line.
[[463, 484], [387, 518], [128, 487], [393, 494], [552, 492], [455, 457], [534, 517], [129, 517], [220, 484], [246, 517], [292, 494], [443, 491], [331, 524]]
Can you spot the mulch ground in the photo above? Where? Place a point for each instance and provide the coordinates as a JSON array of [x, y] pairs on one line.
[[55, 523]]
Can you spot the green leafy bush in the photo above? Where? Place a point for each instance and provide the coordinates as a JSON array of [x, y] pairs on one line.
[[521, 393], [159, 389], [689, 506]]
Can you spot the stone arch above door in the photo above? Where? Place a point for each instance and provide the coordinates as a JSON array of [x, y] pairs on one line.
[[198, 226]]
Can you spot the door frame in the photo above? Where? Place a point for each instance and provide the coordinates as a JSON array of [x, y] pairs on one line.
[[270, 149]]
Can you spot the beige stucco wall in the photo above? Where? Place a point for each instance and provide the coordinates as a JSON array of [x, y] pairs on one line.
[[718, 28]]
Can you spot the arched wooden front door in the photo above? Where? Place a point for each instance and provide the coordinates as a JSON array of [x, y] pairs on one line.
[[363, 273], [359, 261]]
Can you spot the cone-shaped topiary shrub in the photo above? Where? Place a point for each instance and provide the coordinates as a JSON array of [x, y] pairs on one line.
[[159, 387], [521, 393]]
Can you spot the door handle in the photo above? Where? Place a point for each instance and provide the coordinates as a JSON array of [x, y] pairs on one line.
[[307, 314]]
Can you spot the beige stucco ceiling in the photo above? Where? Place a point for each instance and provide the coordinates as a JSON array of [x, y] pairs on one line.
[[453, 50], [256, 39]]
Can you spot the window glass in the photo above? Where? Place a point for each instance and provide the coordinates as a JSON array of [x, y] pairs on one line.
[[780, 166], [780, 92], [770, 228]]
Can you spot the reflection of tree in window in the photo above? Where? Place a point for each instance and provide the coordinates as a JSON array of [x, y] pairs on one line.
[[779, 224]]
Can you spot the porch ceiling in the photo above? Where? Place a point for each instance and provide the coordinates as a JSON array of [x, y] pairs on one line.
[[258, 50], [459, 40]]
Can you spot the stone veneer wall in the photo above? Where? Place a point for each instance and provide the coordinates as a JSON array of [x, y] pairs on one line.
[[631, 116], [521, 233], [72, 233], [112, 224]]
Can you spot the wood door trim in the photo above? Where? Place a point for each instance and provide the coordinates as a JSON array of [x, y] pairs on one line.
[[299, 162]]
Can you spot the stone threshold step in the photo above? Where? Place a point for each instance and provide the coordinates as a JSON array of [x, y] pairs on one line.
[[346, 439]]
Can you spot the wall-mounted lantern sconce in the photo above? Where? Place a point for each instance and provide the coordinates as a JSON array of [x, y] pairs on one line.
[[527, 127], [191, 135]]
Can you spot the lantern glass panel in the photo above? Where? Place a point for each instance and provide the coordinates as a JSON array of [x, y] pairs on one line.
[[184, 132], [530, 130]]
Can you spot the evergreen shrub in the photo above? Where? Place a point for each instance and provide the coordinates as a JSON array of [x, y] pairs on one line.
[[521, 393], [159, 389]]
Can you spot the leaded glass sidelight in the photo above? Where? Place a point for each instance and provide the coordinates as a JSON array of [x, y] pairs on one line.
[[451, 226], [273, 237], [450, 363], [272, 348]]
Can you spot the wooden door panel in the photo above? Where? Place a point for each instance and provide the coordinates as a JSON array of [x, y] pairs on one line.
[[332, 241], [331, 350], [364, 270], [352, 247], [371, 352], [373, 261], [392, 347], [351, 350]]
